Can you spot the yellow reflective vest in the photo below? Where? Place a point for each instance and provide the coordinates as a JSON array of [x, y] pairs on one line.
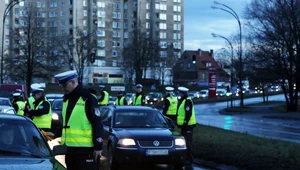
[[43, 121], [137, 100], [121, 101], [173, 106], [105, 100], [21, 106], [181, 113], [78, 131], [30, 102]]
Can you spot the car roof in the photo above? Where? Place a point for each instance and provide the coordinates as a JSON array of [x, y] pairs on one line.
[[4, 98], [132, 107], [54, 95], [5, 116]]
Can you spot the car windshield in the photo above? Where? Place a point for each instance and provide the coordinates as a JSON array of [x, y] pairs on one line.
[[4, 102], [57, 105], [153, 95], [202, 92], [139, 119], [21, 138]]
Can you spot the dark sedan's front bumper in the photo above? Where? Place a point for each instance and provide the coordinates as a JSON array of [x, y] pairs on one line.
[[134, 155]]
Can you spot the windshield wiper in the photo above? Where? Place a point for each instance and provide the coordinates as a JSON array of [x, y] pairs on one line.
[[20, 153]]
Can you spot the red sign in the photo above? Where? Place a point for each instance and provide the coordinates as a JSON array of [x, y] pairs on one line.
[[212, 82]]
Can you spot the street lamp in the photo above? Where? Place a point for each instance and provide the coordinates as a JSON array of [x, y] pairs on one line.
[[231, 68], [229, 10], [6, 12]]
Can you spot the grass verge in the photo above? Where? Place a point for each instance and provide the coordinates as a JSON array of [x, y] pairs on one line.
[[243, 150]]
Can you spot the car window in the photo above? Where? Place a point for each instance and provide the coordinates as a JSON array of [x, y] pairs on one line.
[[4, 102], [57, 105], [139, 119], [104, 113], [22, 137]]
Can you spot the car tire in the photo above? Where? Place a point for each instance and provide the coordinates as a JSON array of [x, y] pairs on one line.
[[113, 164], [178, 166]]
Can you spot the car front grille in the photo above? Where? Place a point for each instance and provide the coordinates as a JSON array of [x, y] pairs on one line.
[[165, 144]]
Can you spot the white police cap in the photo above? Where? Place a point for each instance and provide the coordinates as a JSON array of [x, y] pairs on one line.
[[169, 88], [139, 86], [17, 94], [183, 89], [36, 88], [62, 78]]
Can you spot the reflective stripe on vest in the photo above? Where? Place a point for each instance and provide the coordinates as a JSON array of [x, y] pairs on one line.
[[137, 101], [105, 100], [43, 121], [181, 113], [173, 106], [21, 106], [30, 102], [79, 131], [121, 101], [95, 96]]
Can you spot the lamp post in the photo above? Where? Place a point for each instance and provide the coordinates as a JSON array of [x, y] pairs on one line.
[[231, 68], [229, 10], [6, 12]]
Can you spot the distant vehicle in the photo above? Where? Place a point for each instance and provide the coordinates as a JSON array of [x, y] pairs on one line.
[[112, 100], [275, 88], [194, 94], [203, 94], [6, 106], [154, 97], [28, 148], [129, 98], [57, 123], [7, 90], [258, 90], [141, 133], [52, 96], [221, 93]]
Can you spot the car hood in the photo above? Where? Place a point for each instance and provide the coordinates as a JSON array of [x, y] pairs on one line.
[[13, 163], [147, 133]]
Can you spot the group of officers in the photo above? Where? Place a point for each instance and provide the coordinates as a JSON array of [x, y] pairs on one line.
[[82, 127]]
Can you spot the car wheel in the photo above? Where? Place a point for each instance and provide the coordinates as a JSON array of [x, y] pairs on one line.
[[113, 164], [178, 166]]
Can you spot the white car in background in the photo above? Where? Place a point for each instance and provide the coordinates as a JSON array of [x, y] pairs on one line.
[[203, 94], [6, 106]]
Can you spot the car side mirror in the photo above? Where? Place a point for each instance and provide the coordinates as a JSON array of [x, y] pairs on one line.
[[106, 123], [59, 150]]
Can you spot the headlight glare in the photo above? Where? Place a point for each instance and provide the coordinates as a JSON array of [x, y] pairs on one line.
[[55, 116], [126, 142], [179, 142]]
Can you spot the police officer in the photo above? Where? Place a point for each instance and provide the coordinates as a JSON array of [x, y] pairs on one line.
[[19, 104], [41, 111], [121, 100], [170, 104], [139, 97], [104, 96], [82, 126], [186, 120]]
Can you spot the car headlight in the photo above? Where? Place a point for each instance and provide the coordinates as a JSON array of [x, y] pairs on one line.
[[55, 116], [180, 142], [155, 99], [126, 142]]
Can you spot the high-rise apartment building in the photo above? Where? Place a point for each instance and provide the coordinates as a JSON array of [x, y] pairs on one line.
[[111, 23]]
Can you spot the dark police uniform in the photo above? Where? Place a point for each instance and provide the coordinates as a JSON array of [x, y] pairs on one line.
[[186, 121]]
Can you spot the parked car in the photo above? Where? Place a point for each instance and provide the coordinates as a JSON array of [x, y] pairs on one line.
[[57, 123], [203, 94], [51, 97], [27, 147], [140, 133], [154, 97], [194, 94], [6, 106], [221, 92], [129, 98], [112, 100]]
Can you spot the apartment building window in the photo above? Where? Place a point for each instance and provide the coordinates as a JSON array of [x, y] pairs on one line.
[[163, 26], [162, 7], [62, 32], [117, 15], [101, 14], [147, 15], [62, 3], [177, 27], [162, 35], [125, 15], [176, 8], [163, 44], [125, 25], [62, 13], [6, 42], [125, 5], [125, 34], [147, 25], [176, 36], [43, 5], [208, 64], [101, 4], [101, 53], [116, 34], [38, 14], [162, 16], [38, 4], [84, 3], [116, 6], [147, 5], [101, 43], [53, 4], [114, 64], [100, 33], [177, 17], [43, 14], [163, 54], [63, 23], [177, 1], [23, 23], [52, 14], [85, 13], [84, 23], [116, 44], [134, 4], [101, 24], [177, 45], [114, 53]]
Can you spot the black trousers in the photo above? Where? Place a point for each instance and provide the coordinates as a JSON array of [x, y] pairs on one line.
[[80, 162], [187, 132]]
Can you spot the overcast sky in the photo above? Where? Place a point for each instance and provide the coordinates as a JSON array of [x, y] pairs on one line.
[[201, 20]]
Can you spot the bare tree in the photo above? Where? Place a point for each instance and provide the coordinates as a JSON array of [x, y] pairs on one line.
[[76, 50], [274, 36], [28, 59]]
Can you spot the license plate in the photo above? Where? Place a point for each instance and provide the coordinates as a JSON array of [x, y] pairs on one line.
[[151, 152]]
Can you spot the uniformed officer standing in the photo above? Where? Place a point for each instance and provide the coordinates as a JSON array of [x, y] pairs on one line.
[[82, 126], [170, 104], [41, 111], [19, 104], [139, 97], [121, 100], [104, 96], [186, 120]]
